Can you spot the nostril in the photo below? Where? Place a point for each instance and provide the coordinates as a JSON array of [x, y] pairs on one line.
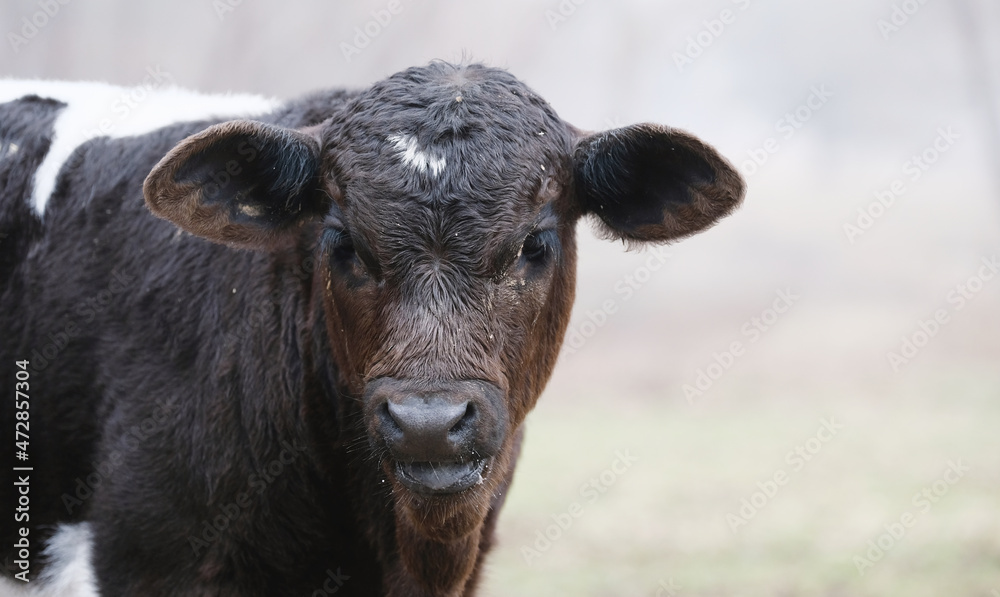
[[388, 424], [466, 421], [386, 415], [453, 415]]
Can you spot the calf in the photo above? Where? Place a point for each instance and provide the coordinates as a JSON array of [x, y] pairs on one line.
[[287, 349]]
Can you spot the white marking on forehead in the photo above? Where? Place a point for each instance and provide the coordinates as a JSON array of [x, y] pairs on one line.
[[414, 157], [102, 110], [70, 570]]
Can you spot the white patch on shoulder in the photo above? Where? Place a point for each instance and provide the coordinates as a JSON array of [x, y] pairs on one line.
[[70, 571], [414, 157], [102, 110]]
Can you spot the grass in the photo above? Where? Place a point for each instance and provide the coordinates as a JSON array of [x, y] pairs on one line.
[[663, 520]]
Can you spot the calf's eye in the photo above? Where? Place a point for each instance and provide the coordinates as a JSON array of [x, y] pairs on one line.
[[539, 247], [339, 247]]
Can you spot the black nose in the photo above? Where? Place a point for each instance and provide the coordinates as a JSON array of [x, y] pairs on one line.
[[439, 435], [428, 428], [426, 422]]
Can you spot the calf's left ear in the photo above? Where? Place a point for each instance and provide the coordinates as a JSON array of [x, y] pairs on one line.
[[242, 183], [650, 183]]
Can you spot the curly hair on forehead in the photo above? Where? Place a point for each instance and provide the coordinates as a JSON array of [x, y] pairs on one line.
[[443, 101]]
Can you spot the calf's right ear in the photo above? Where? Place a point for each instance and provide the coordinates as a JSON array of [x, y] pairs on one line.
[[242, 183], [650, 183]]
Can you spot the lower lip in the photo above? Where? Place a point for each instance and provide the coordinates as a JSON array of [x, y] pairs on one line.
[[437, 478]]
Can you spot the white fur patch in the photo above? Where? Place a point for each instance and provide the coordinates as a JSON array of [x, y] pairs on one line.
[[70, 571], [102, 110], [414, 157]]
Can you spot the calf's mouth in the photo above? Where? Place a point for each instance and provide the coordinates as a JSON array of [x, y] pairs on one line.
[[434, 478]]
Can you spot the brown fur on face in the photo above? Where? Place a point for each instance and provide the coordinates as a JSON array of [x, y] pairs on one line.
[[454, 312]]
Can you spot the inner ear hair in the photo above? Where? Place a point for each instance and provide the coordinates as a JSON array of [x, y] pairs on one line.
[[651, 183], [241, 183]]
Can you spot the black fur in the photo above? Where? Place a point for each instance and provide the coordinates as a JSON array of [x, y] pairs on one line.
[[178, 383]]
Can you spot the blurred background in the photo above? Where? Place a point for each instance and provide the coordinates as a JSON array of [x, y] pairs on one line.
[[804, 400]]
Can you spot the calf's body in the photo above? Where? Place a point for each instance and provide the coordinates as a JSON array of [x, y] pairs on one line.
[[307, 369]]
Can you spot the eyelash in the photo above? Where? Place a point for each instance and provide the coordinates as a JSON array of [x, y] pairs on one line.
[[338, 245], [539, 246]]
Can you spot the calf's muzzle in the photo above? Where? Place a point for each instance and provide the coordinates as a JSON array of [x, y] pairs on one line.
[[441, 435]]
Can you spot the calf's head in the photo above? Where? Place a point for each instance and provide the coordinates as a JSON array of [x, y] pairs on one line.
[[442, 204]]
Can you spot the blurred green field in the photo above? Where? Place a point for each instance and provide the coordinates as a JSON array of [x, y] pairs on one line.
[[661, 525]]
